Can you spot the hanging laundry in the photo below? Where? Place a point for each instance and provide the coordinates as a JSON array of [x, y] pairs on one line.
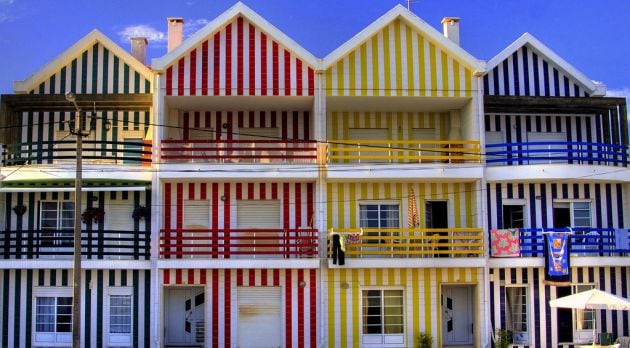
[[339, 249], [505, 242]]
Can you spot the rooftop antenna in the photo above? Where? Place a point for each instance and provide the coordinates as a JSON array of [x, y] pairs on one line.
[[409, 5]]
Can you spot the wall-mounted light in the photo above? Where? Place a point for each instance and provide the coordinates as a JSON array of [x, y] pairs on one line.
[[344, 285], [225, 125], [93, 198], [538, 197], [223, 198], [302, 284], [108, 126]]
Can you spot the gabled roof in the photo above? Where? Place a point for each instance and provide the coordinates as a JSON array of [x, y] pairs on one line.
[[593, 88], [400, 11], [75, 50], [239, 9]]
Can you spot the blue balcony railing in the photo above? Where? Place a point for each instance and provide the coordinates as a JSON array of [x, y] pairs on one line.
[[584, 241], [557, 152]]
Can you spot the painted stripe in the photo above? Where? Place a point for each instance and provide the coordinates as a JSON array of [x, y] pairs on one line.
[[525, 73], [242, 53]]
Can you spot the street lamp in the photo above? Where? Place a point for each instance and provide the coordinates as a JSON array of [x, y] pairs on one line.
[[76, 269]]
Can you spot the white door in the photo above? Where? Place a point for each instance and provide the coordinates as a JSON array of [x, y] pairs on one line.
[[184, 316], [259, 317], [457, 324], [547, 150]]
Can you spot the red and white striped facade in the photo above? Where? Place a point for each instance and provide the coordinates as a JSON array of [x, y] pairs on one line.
[[299, 288], [239, 60]]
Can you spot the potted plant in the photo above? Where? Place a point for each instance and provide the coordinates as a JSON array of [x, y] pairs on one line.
[[19, 209], [141, 212], [502, 338], [425, 340], [92, 214]]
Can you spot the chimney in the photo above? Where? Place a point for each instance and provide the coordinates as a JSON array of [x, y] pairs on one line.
[[139, 49], [451, 29], [175, 32]]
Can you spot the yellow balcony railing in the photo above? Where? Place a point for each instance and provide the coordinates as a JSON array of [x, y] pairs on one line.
[[403, 151], [410, 242]]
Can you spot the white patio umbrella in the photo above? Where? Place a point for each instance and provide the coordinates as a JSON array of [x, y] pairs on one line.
[[592, 299]]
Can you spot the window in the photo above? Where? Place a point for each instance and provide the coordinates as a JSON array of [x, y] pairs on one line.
[[572, 213], [57, 216], [377, 216], [382, 316], [513, 216], [516, 313], [53, 316], [584, 318], [120, 314]]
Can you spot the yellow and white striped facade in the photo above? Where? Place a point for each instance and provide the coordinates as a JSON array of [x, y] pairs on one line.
[[400, 61]]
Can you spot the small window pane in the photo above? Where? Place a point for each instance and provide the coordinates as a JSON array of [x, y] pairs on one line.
[[120, 314]]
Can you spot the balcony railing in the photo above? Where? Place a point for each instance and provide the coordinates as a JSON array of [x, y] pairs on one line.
[[238, 243], [239, 151], [410, 243], [557, 152], [402, 151], [58, 244], [64, 151], [584, 242]]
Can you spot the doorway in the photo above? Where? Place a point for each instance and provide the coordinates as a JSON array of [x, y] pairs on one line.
[[457, 315], [184, 311], [565, 317], [436, 216]]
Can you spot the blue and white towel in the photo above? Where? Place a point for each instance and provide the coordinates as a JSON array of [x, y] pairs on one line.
[[621, 239]]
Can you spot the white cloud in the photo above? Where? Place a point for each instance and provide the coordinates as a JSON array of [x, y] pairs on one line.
[[191, 26], [623, 92], [153, 35]]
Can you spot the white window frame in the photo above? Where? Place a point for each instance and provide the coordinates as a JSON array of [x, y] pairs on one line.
[[50, 339], [581, 334], [572, 209], [119, 339], [520, 337], [515, 202], [59, 214], [379, 233], [383, 339]]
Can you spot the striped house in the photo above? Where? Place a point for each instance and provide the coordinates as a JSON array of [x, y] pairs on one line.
[[556, 155], [112, 92], [402, 188], [238, 245]]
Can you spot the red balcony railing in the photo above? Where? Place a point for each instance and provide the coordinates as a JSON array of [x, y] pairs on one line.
[[238, 243], [239, 151]]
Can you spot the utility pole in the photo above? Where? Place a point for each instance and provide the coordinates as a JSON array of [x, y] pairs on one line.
[[78, 183]]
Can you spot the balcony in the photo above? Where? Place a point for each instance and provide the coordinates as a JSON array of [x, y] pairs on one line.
[[584, 242], [64, 151], [239, 151], [529, 153], [411, 242], [237, 243], [402, 151], [58, 245]]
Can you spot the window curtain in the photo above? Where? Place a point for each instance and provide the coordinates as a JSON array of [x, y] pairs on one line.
[[45, 314]]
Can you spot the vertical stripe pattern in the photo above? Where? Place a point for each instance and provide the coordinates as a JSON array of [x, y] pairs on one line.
[[299, 307], [240, 59], [399, 61], [96, 71], [527, 73], [18, 296]]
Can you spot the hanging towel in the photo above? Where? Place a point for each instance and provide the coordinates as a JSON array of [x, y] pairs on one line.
[[505, 242], [621, 239]]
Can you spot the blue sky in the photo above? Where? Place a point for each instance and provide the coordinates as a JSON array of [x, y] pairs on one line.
[[593, 36]]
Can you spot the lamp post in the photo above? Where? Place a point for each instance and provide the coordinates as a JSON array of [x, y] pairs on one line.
[[78, 183]]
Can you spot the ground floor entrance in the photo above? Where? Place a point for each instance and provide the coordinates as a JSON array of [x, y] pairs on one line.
[[457, 315], [184, 311]]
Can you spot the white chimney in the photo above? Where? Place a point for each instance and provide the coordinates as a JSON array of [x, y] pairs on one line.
[[139, 48], [175, 32], [451, 29]]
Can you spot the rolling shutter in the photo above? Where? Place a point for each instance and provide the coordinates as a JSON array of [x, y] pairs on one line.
[[258, 213], [196, 214], [259, 317]]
